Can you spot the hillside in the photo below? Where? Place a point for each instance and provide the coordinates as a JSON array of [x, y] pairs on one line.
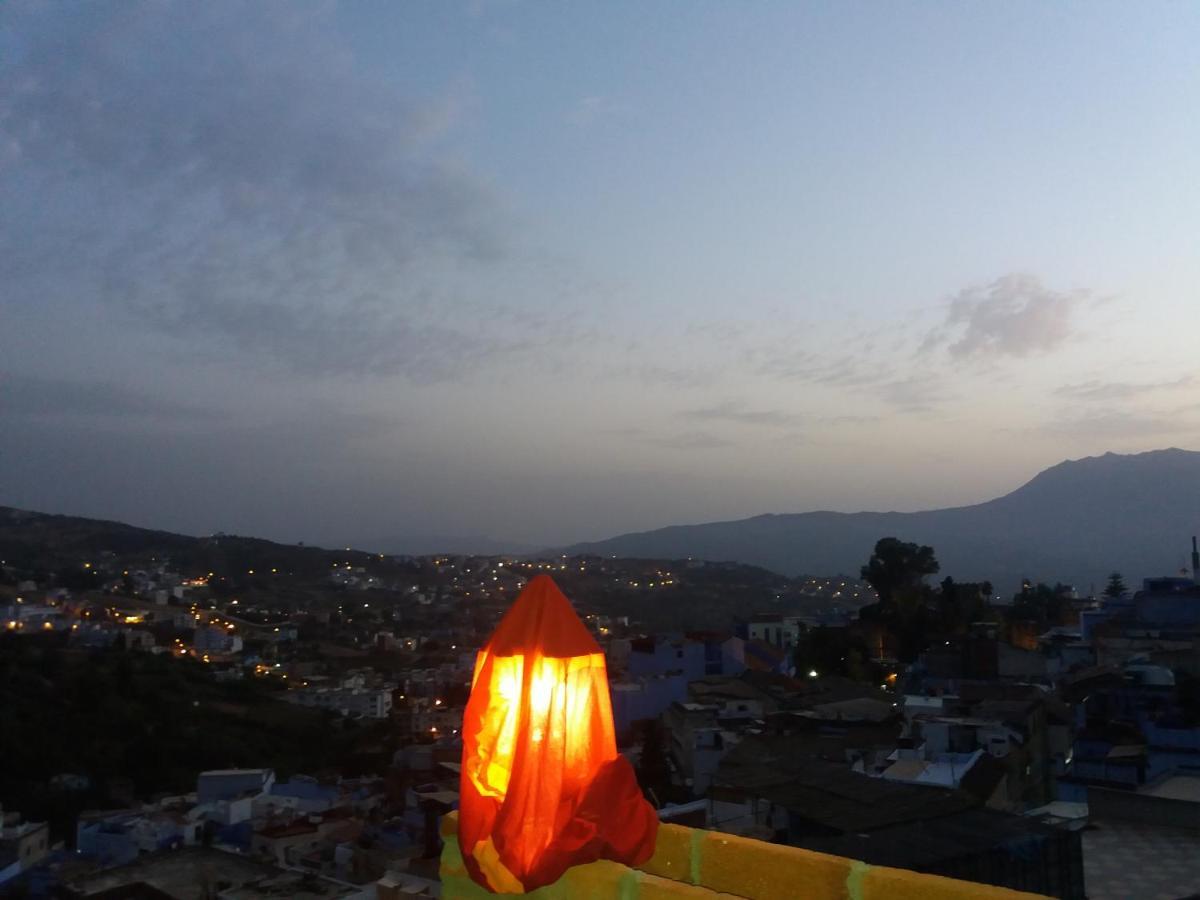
[[1074, 523], [137, 723], [290, 578], [40, 541]]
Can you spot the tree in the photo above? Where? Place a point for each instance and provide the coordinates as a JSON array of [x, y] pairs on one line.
[[958, 604], [79, 580], [897, 568], [897, 571], [836, 651], [1044, 605], [1116, 587]]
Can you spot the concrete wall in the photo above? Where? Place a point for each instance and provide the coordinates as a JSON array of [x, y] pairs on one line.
[[691, 863], [668, 656], [111, 846], [223, 785], [645, 699]]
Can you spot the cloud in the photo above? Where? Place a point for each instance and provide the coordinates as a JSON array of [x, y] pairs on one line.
[[653, 374], [863, 375], [844, 371], [223, 171], [691, 440], [28, 396], [737, 413], [1013, 316], [283, 476], [1105, 409], [851, 420], [1110, 423], [914, 394], [1121, 390], [687, 440]]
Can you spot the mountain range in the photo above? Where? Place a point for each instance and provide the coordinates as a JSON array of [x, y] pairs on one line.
[[1072, 523], [435, 544]]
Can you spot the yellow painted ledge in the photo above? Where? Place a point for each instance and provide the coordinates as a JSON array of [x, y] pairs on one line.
[[692, 863]]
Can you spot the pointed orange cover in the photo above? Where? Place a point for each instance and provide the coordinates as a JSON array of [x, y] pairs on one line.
[[543, 787]]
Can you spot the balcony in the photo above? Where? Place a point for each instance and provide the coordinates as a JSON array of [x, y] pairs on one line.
[[692, 863]]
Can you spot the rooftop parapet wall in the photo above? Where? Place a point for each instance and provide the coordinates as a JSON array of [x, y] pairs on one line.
[[692, 863]]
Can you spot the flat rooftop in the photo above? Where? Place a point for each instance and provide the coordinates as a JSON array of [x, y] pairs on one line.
[[1127, 859], [830, 793], [194, 872], [1176, 787], [936, 841]]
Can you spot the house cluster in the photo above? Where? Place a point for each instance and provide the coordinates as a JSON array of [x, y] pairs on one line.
[[831, 764], [362, 837], [1000, 760], [1006, 754], [360, 694], [23, 845]]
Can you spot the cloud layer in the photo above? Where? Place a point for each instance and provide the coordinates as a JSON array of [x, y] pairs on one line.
[[738, 413], [1122, 390], [1015, 315], [223, 170]]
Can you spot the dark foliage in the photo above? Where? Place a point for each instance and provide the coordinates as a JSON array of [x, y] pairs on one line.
[[135, 724], [897, 569], [1115, 587], [1041, 604], [837, 651]]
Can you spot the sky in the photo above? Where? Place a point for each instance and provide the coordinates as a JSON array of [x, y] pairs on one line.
[[552, 272]]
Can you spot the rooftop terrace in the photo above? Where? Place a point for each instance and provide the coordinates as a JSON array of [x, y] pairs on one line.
[[691, 863]]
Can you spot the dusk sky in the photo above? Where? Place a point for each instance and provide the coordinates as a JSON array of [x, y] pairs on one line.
[[551, 272]]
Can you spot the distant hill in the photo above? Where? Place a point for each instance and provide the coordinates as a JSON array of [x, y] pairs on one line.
[[450, 545], [55, 537], [1075, 522], [42, 541]]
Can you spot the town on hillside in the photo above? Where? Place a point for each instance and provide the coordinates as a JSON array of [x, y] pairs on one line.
[[271, 720]]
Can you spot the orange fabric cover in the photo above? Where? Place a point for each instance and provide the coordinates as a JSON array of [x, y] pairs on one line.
[[543, 787]]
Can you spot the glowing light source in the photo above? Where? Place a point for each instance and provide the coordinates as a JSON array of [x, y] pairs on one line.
[[543, 787]]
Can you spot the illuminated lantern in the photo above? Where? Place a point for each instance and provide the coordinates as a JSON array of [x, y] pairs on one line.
[[543, 787]]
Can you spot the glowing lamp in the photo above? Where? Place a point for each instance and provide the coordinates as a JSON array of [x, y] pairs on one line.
[[543, 787]]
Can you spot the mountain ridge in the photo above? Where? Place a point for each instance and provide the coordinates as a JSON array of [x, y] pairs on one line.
[[1073, 522]]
